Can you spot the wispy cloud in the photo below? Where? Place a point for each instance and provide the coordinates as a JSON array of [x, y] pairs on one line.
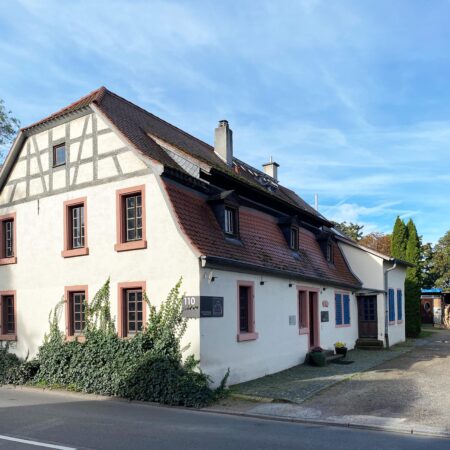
[[349, 100]]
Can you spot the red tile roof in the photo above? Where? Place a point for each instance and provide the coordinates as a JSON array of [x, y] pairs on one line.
[[263, 244], [136, 124]]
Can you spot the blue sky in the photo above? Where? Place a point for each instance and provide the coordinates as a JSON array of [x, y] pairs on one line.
[[351, 98]]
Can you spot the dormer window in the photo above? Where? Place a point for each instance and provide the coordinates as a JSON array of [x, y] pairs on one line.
[[290, 227], [294, 238], [59, 155], [230, 221], [330, 252], [225, 206]]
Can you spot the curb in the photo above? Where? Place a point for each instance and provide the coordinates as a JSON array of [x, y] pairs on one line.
[[418, 431]]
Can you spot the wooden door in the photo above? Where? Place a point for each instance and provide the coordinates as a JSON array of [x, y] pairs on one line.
[[426, 310], [367, 316], [313, 320]]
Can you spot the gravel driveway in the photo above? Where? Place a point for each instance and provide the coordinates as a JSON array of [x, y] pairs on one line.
[[413, 388], [409, 391]]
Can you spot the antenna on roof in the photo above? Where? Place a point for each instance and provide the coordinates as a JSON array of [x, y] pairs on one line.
[[316, 202]]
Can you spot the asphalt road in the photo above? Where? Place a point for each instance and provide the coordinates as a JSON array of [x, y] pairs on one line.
[[67, 421]]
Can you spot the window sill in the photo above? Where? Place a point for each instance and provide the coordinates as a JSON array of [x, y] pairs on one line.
[[133, 245], [399, 322], [8, 337], [75, 252], [392, 322], [303, 331], [347, 325], [242, 337], [5, 261]]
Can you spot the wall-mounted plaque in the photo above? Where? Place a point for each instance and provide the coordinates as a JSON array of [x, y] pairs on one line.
[[202, 306], [324, 316]]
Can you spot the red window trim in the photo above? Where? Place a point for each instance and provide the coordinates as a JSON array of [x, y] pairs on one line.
[[342, 293], [251, 335], [67, 291], [71, 252], [306, 290], [8, 337], [121, 288], [121, 245], [13, 259]]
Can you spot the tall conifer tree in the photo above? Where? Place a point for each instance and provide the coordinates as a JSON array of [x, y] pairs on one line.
[[413, 282], [399, 239]]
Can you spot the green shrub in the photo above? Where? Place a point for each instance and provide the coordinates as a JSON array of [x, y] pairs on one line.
[[8, 362], [148, 366], [22, 373]]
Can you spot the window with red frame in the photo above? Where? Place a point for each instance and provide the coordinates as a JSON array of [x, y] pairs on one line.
[[7, 316]]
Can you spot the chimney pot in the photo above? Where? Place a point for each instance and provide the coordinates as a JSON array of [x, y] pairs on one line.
[[223, 142], [271, 169]]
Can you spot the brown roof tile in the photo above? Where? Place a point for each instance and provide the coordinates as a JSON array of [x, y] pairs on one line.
[[263, 243]]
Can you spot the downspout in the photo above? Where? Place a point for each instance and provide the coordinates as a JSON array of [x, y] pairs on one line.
[[386, 304]]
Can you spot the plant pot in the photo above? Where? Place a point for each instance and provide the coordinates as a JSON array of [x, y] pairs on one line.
[[317, 359], [341, 351]]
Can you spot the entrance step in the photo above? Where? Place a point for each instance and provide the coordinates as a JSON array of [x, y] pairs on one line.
[[369, 344]]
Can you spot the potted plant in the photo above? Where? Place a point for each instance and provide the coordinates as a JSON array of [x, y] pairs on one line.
[[340, 348], [317, 357]]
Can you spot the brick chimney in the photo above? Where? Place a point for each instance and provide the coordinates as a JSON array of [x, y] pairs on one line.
[[223, 142], [271, 169]]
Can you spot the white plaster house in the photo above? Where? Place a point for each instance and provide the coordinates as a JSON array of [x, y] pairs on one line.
[[381, 302], [104, 189]]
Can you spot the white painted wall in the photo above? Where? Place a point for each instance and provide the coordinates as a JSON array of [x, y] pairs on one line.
[[41, 273], [279, 345], [396, 280], [369, 268]]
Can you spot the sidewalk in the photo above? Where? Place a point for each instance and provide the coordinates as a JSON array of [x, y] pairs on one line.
[[398, 390], [301, 382]]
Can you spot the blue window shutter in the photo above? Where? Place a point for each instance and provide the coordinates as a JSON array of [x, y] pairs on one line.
[[338, 302], [399, 305], [346, 309], [391, 306]]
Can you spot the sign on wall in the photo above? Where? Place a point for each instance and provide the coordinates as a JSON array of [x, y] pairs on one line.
[[324, 316], [195, 306]]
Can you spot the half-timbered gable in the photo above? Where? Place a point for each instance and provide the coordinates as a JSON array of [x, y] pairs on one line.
[[94, 154]]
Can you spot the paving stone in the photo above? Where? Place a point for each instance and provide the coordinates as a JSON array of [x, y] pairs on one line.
[[301, 382]]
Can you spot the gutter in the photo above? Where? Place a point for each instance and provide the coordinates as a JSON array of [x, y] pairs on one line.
[[386, 309], [216, 262]]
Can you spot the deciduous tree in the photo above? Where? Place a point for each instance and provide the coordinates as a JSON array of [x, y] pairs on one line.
[[377, 241], [8, 125]]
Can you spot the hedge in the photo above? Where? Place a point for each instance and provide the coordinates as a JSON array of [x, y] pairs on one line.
[[148, 366]]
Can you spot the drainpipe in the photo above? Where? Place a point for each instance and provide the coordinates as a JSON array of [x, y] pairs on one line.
[[386, 304]]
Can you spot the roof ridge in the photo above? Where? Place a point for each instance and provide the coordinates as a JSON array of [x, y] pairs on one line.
[[159, 118], [97, 95]]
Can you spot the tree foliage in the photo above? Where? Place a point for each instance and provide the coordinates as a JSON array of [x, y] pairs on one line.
[[379, 242], [413, 282], [399, 239], [440, 262], [9, 125], [352, 230], [406, 245]]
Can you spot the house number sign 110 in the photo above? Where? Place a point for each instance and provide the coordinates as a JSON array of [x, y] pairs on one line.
[[202, 306]]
